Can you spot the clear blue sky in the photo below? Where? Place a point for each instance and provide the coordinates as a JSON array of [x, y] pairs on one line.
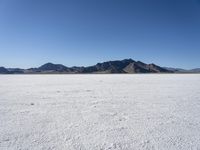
[[84, 32]]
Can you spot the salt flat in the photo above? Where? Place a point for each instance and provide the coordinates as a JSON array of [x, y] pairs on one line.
[[100, 112]]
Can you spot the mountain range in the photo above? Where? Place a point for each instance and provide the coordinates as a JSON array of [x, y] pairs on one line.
[[180, 70], [118, 66]]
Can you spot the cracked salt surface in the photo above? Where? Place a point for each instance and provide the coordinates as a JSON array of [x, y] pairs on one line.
[[100, 112]]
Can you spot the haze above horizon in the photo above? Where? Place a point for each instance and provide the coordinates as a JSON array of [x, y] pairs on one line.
[[76, 32]]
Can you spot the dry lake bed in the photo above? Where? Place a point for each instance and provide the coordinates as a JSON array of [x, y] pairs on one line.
[[100, 112]]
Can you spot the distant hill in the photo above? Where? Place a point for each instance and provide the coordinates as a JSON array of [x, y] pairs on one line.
[[15, 70], [118, 66], [50, 67], [3, 70], [175, 69], [197, 70], [179, 70]]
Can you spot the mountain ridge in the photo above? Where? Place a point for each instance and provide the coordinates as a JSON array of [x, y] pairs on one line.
[[128, 66], [180, 70]]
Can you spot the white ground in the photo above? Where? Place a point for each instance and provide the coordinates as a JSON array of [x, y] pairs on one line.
[[99, 112]]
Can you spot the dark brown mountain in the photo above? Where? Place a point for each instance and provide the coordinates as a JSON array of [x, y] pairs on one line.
[[125, 66], [109, 67]]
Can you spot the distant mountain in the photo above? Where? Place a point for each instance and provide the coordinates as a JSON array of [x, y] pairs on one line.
[[3, 70], [50, 67], [125, 66], [54, 67], [118, 66], [197, 70], [179, 70], [15, 70], [175, 69], [109, 67]]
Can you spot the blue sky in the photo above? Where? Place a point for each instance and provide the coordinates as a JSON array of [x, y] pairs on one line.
[[84, 32]]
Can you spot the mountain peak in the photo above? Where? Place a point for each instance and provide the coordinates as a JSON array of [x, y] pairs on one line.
[[52, 67]]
